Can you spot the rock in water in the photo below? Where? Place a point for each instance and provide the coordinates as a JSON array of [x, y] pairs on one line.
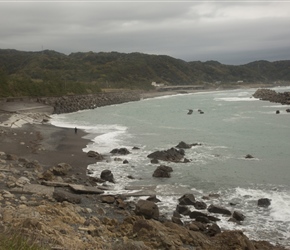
[[107, 176], [264, 202]]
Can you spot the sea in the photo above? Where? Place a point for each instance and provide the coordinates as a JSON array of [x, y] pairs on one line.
[[233, 124]]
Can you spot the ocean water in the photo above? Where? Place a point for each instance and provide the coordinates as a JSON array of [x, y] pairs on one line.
[[233, 125]]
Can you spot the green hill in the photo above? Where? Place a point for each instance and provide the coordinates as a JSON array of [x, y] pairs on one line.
[[48, 72]]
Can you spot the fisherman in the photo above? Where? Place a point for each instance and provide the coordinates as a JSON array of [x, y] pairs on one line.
[[76, 130]]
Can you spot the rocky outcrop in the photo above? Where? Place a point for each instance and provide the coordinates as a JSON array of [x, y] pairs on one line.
[[187, 199], [185, 145], [162, 171], [120, 151], [66, 220], [107, 175], [272, 96], [218, 209], [67, 104], [172, 155]]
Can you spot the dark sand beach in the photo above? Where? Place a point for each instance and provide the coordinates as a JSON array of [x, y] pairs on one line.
[[47, 144]]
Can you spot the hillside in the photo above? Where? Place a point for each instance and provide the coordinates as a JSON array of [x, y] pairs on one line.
[[51, 73]]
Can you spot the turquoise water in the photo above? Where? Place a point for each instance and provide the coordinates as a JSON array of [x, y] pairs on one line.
[[233, 125]]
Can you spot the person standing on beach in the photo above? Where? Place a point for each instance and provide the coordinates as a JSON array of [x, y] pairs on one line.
[[76, 130]]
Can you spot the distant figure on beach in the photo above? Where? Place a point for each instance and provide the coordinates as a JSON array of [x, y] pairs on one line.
[[76, 130]]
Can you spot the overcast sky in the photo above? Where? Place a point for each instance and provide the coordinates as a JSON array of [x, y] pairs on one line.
[[231, 32]]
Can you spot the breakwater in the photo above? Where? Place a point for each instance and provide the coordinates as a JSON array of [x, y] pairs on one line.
[[67, 104], [272, 96]]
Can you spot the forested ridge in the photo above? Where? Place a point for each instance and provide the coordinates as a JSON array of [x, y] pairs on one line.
[[47, 73]]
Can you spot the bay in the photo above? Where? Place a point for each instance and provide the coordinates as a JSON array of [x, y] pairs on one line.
[[233, 124]]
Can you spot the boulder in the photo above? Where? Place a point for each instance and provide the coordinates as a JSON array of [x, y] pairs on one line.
[[248, 156], [61, 169], [277, 111], [62, 196], [213, 230], [212, 218], [172, 155], [232, 219], [199, 205], [187, 199], [120, 151], [95, 155], [110, 199], [148, 209], [218, 210], [264, 202], [189, 111], [184, 210], [288, 110], [238, 216], [154, 161], [202, 219], [162, 171], [107, 175], [195, 214]]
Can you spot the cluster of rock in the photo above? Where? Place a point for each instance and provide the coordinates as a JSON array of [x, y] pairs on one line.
[[61, 218], [190, 111], [67, 104], [273, 96], [58, 210]]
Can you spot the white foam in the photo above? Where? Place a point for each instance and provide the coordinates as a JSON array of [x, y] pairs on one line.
[[236, 99], [277, 106], [274, 221], [109, 137]]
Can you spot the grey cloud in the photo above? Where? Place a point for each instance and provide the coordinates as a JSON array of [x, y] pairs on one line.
[[235, 32]]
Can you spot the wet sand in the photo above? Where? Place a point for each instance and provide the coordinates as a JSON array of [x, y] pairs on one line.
[[47, 144]]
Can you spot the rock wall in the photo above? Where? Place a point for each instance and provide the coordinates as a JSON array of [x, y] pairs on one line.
[[67, 104], [272, 96]]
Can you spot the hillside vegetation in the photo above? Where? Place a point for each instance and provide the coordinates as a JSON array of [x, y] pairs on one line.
[[49, 73]]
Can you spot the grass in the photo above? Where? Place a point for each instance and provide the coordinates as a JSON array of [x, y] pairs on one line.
[[15, 241]]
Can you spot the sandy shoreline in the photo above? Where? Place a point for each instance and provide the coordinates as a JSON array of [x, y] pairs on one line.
[[47, 144], [23, 132]]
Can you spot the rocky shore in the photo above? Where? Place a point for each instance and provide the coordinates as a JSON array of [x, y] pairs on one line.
[[272, 96], [46, 194]]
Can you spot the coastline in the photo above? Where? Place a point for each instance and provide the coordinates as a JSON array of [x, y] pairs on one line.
[[50, 145], [26, 131]]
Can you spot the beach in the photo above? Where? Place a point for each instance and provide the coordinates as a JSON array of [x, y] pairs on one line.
[[94, 223], [45, 143]]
